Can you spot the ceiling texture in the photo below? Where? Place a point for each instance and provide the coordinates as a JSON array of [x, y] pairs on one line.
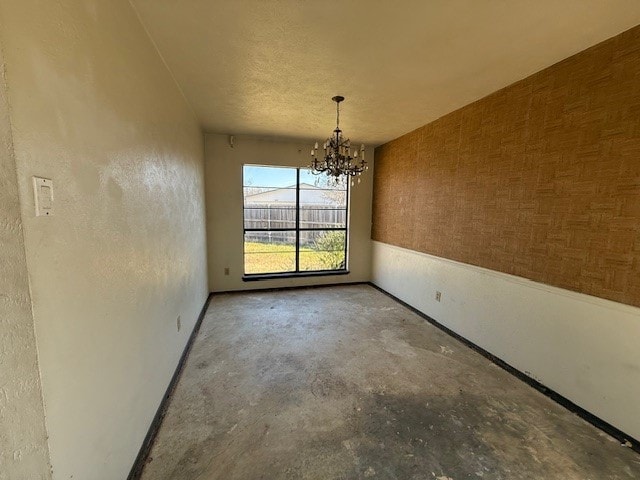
[[270, 67]]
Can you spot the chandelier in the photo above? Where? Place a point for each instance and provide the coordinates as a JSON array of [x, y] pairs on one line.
[[338, 158]]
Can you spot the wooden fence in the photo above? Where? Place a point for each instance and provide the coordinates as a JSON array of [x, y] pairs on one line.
[[279, 217]]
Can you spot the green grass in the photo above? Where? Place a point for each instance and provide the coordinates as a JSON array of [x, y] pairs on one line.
[[273, 258]]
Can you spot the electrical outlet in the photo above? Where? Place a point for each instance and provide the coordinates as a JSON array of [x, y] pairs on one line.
[[438, 296], [179, 322], [226, 270]]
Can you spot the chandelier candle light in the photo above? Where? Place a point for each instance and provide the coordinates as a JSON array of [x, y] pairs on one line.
[[338, 159]]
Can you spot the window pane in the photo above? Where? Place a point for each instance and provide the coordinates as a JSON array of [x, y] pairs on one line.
[[269, 178], [322, 250], [323, 202], [274, 208], [269, 197], [321, 180], [270, 217], [311, 217], [322, 198], [269, 252]]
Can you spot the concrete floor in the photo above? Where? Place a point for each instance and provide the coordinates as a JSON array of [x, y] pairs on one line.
[[345, 383]]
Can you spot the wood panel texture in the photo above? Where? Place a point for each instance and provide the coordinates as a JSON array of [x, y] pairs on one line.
[[540, 179]]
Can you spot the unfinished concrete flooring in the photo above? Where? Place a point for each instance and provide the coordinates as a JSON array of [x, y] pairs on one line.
[[345, 383]]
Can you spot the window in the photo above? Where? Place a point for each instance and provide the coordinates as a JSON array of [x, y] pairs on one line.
[[295, 222]]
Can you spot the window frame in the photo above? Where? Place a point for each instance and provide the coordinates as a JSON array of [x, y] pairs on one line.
[[297, 229]]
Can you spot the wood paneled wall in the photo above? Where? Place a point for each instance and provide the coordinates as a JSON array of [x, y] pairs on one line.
[[540, 179]]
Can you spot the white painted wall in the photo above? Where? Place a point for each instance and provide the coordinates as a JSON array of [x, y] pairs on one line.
[[94, 108], [224, 210], [583, 347], [23, 439]]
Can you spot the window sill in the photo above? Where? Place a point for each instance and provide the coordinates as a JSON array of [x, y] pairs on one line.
[[274, 276]]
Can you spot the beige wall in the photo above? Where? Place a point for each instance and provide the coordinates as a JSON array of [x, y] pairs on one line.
[[224, 210], [94, 108], [23, 439]]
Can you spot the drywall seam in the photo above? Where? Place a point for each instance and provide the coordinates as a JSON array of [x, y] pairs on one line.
[[166, 65]]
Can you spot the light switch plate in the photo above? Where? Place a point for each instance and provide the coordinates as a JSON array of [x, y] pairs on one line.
[[43, 194]]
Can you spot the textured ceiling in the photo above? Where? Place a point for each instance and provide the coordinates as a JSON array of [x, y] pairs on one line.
[[270, 67]]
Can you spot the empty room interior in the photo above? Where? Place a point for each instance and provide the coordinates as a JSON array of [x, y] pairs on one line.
[[286, 239]]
